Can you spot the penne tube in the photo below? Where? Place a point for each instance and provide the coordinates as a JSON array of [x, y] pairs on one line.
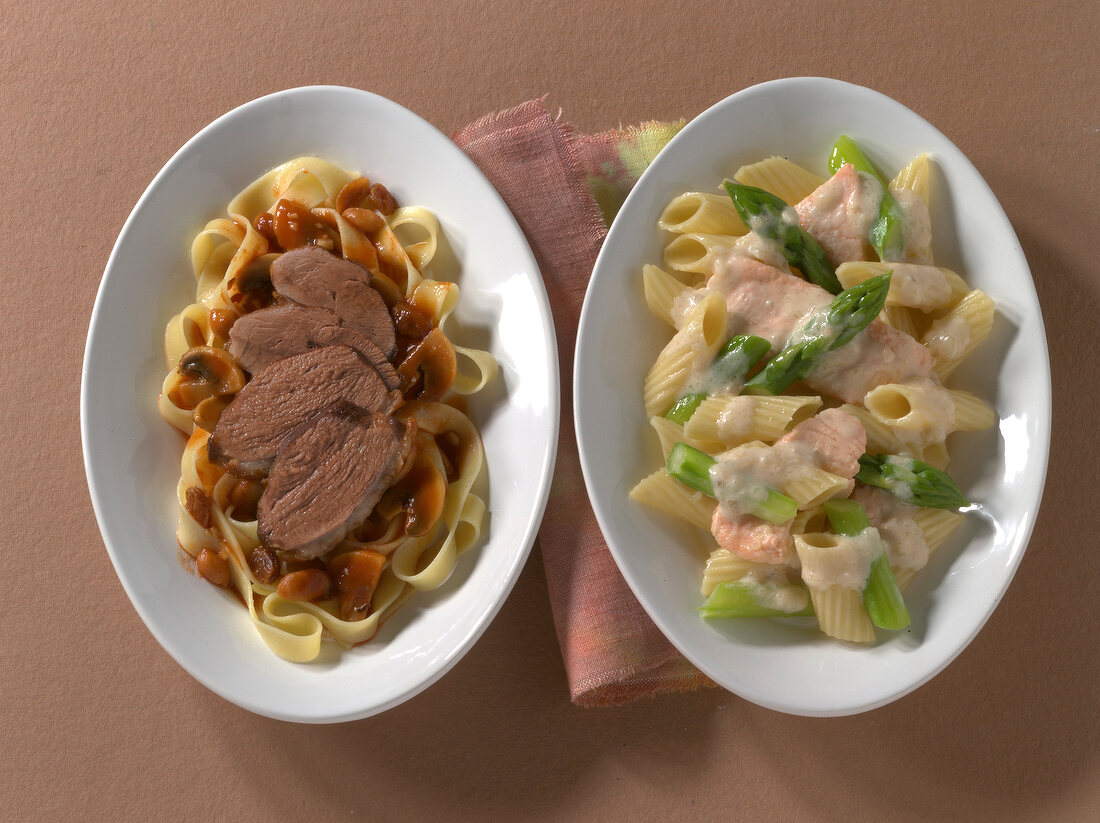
[[701, 213], [778, 175]]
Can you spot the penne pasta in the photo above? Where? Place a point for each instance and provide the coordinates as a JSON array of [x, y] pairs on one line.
[[914, 178], [672, 497], [668, 432], [840, 614], [661, 290], [954, 336], [694, 346], [732, 420], [696, 253], [971, 412], [903, 319], [778, 175], [913, 285], [723, 566], [701, 213], [813, 486], [920, 408]]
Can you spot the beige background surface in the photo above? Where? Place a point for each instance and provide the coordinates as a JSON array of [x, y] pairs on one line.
[[98, 723]]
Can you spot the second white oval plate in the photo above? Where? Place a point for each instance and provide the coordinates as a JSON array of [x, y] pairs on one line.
[[779, 664], [132, 456]]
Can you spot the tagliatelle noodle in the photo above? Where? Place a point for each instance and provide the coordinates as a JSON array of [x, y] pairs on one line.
[[222, 251]]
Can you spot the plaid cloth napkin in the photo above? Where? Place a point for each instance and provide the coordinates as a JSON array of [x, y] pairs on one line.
[[563, 188]]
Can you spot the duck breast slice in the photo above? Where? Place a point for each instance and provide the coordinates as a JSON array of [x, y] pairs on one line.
[[327, 478]]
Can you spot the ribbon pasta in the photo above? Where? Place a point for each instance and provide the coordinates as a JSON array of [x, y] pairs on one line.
[[230, 258]]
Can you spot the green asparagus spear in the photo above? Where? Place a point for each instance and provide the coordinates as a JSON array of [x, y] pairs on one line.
[[764, 213], [685, 407], [911, 480], [850, 313], [692, 468], [881, 595], [739, 598], [738, 356], [887, 232], [847, 517], [732, 363]]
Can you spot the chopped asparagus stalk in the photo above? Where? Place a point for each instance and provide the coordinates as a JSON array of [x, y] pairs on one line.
[[850, 313], [911, 480], [743, 599], [881, 595], [691, 467], [888, 230], [764, 213], [847, 517], [732, 363], [737, 357], [685, 407]]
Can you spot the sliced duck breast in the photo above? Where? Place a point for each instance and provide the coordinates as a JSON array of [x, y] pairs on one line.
[[261, 337], [327, 478], [287, 394], [312, 276]]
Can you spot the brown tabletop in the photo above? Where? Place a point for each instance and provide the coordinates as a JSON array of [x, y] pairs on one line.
[[99, 723]]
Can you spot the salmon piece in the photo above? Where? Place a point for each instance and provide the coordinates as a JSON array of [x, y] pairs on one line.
[[836, 437], [839, 214], [750, 537], [770, 303], [764, 300], [879, 354], [877, 503], [835, 441]]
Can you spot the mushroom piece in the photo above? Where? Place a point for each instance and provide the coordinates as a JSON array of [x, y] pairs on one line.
[[353, 194], [205, 372], [356, 575], [295, 226], [251, 288], [366, 220], [421, 491], [430, 368], [208, 411]]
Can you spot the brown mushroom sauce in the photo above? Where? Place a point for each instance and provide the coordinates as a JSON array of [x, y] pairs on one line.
[[207, 379]]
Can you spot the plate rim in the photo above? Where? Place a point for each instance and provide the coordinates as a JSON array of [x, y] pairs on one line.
[[548, 454], [585, 329]]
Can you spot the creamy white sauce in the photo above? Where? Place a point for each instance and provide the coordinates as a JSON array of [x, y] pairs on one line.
[[918, 227], [864, 205], [765, 221], [814, 325], [764, 249], [773, 589], [847, 563], [903, 490], [684, 304], [736, 419], [901, 536], [904, 541], [848, 371], [918, 286], [948, 338], [743, 474]]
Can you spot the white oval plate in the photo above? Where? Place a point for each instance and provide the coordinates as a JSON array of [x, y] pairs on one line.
[[132, 456], [775, 664]]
